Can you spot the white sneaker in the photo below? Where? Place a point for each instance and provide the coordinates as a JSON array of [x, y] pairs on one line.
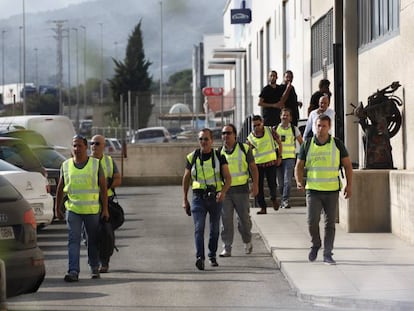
[[225, 253], [248, 248]]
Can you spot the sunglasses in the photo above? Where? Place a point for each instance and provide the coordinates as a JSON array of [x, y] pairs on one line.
[[203, 139], [226, 133], [96, 143], [80, 137]]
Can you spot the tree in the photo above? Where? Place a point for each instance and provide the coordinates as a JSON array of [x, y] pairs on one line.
[[180, 82], [132, 75]]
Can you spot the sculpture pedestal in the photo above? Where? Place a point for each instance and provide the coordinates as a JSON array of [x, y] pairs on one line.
[[368, 209]]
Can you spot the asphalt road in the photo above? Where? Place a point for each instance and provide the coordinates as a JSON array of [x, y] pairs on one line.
[[154, 268]]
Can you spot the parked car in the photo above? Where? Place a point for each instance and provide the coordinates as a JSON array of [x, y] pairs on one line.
[[24, 261], [51, 161], [113, 147], [158, 134], [57, 130], [35, 189], [16, 152]]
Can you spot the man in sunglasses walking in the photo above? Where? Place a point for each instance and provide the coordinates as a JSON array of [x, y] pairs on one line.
[[112, 177], [210, 179]]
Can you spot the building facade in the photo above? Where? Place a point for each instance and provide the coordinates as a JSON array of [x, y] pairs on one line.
[[360, 46]]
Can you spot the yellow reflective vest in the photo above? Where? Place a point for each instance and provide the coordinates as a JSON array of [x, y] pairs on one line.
[[203, 173], [238, 166], [264, 148], [322, 164], [289, 143], [81, 186], [108, 168]]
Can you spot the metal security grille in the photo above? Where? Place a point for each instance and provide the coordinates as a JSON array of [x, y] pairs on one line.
[[377, 19], [322, 43]]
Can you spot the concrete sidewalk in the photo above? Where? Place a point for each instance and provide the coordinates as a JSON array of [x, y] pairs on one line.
[[373, 270]]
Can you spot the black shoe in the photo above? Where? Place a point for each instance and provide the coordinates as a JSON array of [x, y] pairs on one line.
[[200, 263], [276, 204], [213, 262], [313, 253], [262, 211], [327, 259], [71, 277]]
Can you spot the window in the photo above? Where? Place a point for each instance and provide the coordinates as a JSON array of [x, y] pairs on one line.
[[377, 18], [322, 43]]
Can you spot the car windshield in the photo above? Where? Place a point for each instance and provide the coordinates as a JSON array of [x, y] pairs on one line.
[[20, 155], [49, 158], [29, 137], [6, 166]]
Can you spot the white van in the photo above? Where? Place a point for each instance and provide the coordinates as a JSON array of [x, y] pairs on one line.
[[56, 129]]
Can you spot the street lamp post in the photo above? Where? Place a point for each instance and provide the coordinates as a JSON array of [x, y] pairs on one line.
[[102, 69], [2, 62], [161, 56], [84, 71], [36, 68], [24, 60], [77, 77]]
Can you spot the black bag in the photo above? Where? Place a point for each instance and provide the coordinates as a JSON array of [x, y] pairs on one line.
[[116, 213], [106, 239]]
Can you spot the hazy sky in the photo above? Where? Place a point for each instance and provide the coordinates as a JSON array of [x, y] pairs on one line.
[[13, 7]]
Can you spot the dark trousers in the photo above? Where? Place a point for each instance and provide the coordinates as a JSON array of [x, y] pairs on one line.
[[270, 173]]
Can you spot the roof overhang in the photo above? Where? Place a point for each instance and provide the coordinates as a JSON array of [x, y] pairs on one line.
[[229, 53], [221, 64]]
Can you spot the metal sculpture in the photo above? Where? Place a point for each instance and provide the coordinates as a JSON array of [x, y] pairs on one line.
[[380, 121]]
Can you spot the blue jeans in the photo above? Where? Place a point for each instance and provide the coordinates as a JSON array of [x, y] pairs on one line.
[[284, 177], [74, 222], [199, 209]]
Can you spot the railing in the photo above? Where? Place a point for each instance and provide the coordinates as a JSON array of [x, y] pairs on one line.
[[245, 129]]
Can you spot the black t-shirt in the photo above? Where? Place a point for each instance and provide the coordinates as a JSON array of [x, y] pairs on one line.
[[292, 104], [206, 156], [271, 116]]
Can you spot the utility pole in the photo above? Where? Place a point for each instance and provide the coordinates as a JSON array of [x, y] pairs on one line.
[[69, 96], [59, 58]]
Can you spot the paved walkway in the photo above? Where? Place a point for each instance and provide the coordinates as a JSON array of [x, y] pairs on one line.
[[373, 271]]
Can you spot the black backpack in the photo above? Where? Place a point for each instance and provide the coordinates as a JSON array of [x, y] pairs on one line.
[[106, 239]]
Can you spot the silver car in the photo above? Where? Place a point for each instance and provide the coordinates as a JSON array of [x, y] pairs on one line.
[[157, 134]]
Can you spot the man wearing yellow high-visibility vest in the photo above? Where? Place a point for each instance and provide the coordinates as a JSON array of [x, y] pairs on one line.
[[289, 134], [208, 173], [267, 152], [323, 155], [241, 162], [112, 176], [83, 182]]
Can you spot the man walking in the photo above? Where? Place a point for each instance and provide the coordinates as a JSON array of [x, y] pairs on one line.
[[289, 134], [272, 99], [240, 161], [292, 99], [267, 152], [112, 177], [323, 155], [83, 182], [323, 90], [310, 128], [206, 169]]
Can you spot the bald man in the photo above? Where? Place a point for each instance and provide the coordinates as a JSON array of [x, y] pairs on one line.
[[112, 176]]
